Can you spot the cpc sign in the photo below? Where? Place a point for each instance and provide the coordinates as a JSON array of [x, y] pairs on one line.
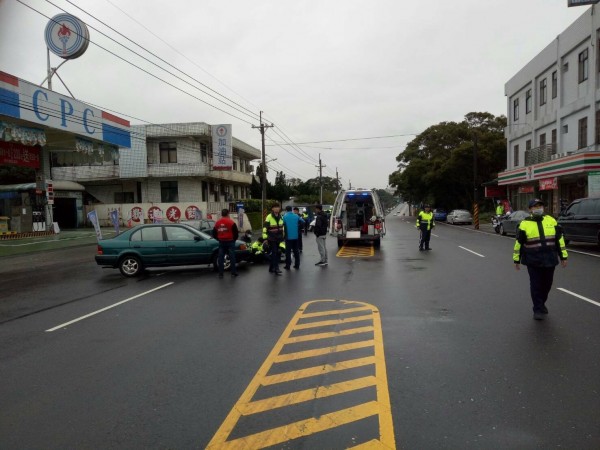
[[67, 36]]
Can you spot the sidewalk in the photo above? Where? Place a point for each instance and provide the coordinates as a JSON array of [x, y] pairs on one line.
[[66, 238]]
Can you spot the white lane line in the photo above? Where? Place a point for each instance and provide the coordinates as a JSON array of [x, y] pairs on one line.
[[579, 296], [62, 325], [434, 235], [471, 251], [570, 250]]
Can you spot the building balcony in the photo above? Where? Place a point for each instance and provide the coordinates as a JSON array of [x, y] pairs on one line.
[[85, 173], [539, 154], [197, 170]]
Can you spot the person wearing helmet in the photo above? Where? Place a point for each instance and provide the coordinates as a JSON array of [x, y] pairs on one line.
[[425, 223]]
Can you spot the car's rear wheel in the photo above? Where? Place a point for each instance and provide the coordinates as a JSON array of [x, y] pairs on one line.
[[502, 232], [377, 243], [130, 266], [340, 243]]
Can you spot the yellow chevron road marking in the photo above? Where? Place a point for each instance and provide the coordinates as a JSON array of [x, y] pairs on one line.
[[285, 399], [355, 252]]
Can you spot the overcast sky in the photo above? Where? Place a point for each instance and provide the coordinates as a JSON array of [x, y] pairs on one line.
[[326, 70]]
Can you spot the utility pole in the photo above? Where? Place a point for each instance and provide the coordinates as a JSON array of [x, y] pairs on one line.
[[337, 180], [262, 127], [320, 166], [475, 193]]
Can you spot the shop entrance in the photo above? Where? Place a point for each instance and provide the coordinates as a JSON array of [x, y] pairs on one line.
[[65, 212]]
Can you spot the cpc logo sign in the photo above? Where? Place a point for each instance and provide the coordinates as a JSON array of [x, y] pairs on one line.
[[67, 36], [221, 131]]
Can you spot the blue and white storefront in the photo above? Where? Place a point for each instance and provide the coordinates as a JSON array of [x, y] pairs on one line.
[[35, 122]]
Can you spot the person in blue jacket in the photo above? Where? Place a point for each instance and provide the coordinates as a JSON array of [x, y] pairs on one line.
[[292, 224]]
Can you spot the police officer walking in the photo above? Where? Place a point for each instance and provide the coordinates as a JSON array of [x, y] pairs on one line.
[[273, 233], [425, 223], [539, 245], [226, 232]]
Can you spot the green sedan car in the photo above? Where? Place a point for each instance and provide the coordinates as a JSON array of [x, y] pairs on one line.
[[159, 245]]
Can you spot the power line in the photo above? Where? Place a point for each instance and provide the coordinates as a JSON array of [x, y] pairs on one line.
[[149, 73], [253, 114], [351, 139]]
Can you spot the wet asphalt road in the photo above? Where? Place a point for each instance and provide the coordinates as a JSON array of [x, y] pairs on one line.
[[467, 367]]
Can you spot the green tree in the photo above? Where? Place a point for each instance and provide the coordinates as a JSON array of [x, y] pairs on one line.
[[437, 166]]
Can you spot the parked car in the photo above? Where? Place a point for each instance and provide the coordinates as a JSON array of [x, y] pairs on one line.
[[457, 216], [581, 221], [510, 223], [158, 245], [440, 214]]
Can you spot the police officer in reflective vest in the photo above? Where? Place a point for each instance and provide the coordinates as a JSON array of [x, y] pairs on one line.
[[539, 246], [226, 232], [425, 223], [273, 233]]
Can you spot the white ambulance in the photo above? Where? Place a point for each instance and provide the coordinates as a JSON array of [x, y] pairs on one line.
[[357, 215]]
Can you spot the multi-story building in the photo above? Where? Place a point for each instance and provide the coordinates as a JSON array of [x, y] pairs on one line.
[[553, 111], [168, 171]]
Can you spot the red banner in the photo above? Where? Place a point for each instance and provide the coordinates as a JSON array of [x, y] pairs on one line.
[[14, 154], [548, 184], [526, 189], [495, 191]]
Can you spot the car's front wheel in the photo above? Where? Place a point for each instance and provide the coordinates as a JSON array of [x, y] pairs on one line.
[[502, 231], [226, 261], [130, 266]]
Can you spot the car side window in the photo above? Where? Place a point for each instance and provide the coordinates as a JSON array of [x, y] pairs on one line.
[[573, 209], [179, 234], [152, 234], [586, 208], [136, 236]]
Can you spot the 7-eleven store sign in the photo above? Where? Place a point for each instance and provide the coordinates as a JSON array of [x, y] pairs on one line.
[[569, 165]]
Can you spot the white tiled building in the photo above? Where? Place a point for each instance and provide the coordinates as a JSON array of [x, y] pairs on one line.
[[553, 111], [168, 165]]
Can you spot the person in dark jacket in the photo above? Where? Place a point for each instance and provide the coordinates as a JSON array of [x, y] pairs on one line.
[[226, 232], [321, 234], [539, 245]]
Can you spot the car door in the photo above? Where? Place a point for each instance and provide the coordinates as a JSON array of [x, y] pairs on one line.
[[568, 221], [585, 225], [149, 243], [184, 246]]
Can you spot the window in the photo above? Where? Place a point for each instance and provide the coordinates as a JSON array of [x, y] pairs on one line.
[[168, 152], [582, 133], [565, 129], [528, 144], [516, 109], [179, 234], [124, 197], [528, 102], [169, 192], [583, 65], [543, 91], [148, 234], [235, 164], [516, 156], [554, 84], [598, 127], [204, 152], [554, 138], [542, 139]]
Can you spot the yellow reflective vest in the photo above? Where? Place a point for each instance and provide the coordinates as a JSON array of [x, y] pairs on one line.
[[539, 242], [425, 221], [273, 228]]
